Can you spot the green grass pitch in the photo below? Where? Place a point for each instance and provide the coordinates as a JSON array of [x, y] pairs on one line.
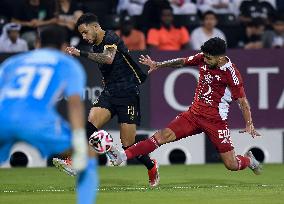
[[180, 184]]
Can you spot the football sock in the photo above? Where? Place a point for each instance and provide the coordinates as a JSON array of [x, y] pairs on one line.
[[243, 162], [91, 129], [87, 183], [144, 159], [142, 148]]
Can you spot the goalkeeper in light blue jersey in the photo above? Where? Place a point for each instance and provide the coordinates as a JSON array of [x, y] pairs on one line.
[[30, 86]]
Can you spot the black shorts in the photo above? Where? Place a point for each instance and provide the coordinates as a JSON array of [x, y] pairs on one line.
[[126, 108]]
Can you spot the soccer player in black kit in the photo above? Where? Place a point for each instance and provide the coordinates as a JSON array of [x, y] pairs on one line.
[[121, 77]]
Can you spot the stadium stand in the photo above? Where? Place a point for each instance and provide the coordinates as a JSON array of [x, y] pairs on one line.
[[189, 21]]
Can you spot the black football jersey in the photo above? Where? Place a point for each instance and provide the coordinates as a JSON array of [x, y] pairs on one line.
[[123, 73]]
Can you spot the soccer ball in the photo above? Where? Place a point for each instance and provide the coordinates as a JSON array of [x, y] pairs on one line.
[[101, 141]]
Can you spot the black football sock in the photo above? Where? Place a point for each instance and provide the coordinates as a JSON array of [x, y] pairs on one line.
[[145, 160], [91, 129]]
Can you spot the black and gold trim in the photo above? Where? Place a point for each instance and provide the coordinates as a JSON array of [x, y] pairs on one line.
[[110, 46], [135, 73]]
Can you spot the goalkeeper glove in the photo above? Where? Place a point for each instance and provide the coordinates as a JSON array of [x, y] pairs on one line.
[[80, 149]]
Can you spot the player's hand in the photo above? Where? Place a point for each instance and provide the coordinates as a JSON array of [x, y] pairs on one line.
[[250, 130], [72, 51], [146, 60]]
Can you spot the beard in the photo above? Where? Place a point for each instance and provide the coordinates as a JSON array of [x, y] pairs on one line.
[[212, 66]]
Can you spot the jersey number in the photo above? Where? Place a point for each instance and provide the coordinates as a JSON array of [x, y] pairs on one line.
[[25, 77]]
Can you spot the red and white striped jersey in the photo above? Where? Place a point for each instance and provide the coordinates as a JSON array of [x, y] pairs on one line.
[[216, 88]]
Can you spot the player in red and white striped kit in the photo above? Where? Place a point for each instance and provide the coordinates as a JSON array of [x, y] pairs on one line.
[[219, 83]]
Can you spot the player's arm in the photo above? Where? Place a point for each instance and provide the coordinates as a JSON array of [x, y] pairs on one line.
[[76, 115], [235, 83], [245, 108], [153, 65], [174, 63], [75, 82], [106, 57]]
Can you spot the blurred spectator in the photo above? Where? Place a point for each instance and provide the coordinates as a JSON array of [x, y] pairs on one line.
[[256, 9], [67, 13], [206, 31], [275, 38], [132, 38], [168, 37], [100, 8], [3, 21], [272, 2], [236, 6], [217, 6], [31, 14], [133, 7], [10, 41], [152, 13], [183, 7], [5, 9], [280, 6], [251, 37]]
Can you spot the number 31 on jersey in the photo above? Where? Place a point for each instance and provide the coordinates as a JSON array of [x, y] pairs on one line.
[[23, 81]]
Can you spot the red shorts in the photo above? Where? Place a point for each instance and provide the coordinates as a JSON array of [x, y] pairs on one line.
[[188, 124]]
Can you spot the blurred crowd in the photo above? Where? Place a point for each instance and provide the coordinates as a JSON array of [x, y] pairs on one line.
[[148, 24]]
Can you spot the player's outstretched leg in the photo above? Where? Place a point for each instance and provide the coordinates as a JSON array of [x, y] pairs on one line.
[[64, 165], [115, 156], [141, 148], [239, 162], [152, 166], [254, 165]]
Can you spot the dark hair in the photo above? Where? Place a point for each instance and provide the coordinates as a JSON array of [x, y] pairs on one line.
[[214, 46], [87, 18], [52, 36], [208, 13]]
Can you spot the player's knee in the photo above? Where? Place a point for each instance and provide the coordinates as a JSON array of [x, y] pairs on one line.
[[231, 165], [165, 136]]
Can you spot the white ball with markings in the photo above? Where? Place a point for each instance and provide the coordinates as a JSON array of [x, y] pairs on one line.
[[101, 141]]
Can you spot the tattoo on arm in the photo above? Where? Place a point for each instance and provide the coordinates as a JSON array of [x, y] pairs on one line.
[[176, 63], [106, 57]]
